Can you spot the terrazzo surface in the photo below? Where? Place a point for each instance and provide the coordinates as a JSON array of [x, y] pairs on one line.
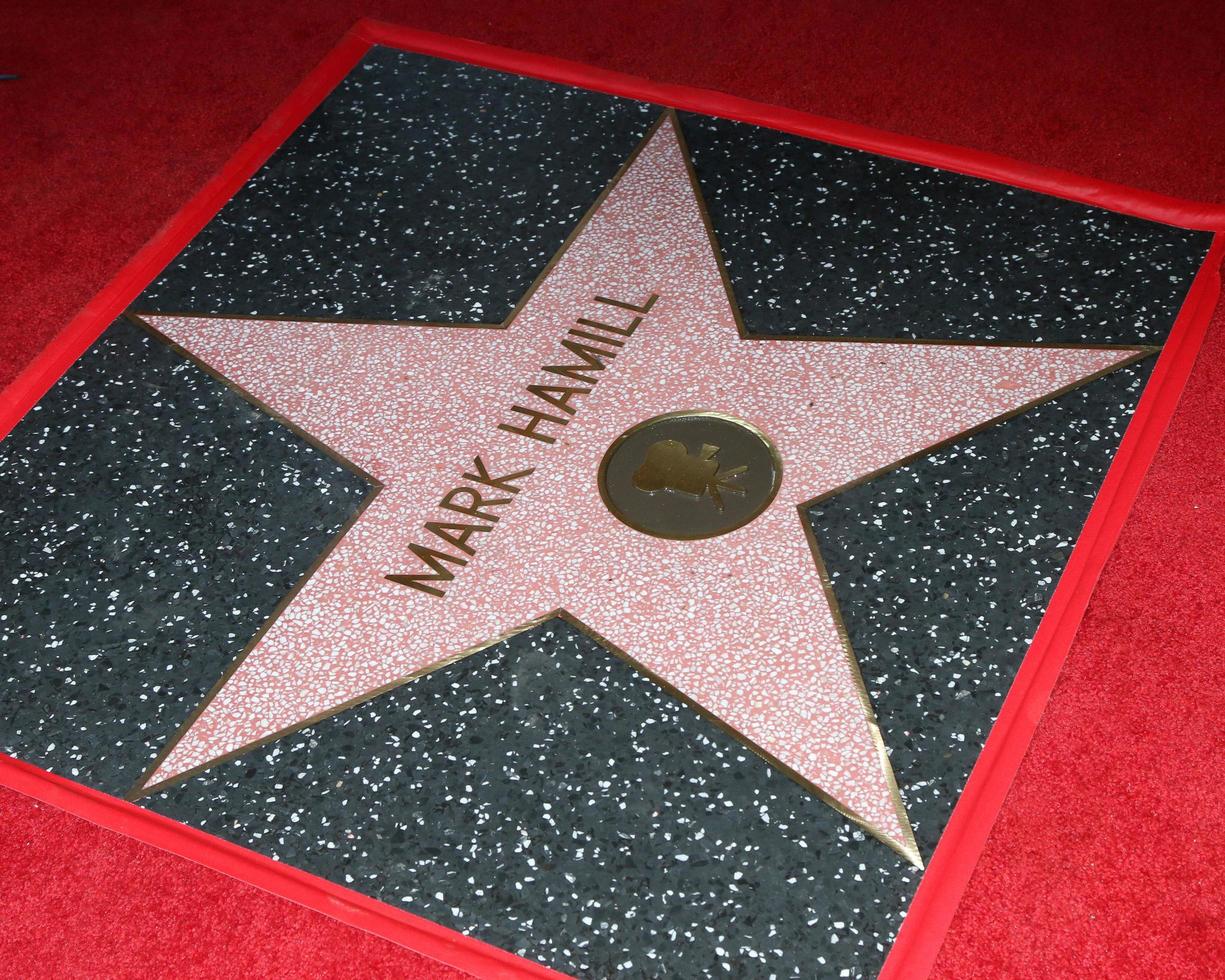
[[543, 795], [152, 521], [828, 240], [421, 189]]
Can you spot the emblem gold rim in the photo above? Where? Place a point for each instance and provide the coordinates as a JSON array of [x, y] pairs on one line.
[[619, 514]]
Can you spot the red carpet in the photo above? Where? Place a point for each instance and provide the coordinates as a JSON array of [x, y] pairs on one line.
[[81, 901], [1108, 859]]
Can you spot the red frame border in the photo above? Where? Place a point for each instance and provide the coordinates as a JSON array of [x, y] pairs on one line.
[[923, 931]]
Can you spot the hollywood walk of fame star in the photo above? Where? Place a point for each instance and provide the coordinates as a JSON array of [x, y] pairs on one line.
[[741, 624]]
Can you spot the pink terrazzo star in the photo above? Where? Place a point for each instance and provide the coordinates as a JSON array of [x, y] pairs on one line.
[[738, 624]]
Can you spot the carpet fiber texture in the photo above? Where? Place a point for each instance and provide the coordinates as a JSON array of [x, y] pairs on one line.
[[1108, 859], [81, 901]]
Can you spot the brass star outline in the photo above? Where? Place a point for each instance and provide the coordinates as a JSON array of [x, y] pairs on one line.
[[907, 847]]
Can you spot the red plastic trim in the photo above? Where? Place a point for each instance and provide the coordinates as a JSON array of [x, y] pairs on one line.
[[950, 868], [350, 907]]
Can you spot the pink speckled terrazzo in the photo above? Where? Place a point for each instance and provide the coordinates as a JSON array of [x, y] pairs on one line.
[[413, 406]]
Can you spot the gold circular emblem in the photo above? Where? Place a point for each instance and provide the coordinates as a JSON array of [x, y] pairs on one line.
[[689, 475]]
